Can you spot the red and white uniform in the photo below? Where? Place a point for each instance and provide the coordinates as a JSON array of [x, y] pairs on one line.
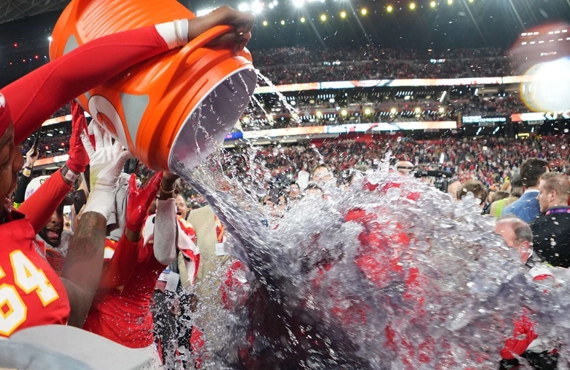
[[123, 313], [31, 293]]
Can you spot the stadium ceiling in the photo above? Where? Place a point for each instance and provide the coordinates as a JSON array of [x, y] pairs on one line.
[[11, 10]]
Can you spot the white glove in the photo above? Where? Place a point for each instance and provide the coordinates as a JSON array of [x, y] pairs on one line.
[[103, 153], [165, 227], [102, 196]]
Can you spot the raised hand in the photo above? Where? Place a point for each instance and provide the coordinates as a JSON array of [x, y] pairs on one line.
[[78, 157], [224, 15], [139, 201]]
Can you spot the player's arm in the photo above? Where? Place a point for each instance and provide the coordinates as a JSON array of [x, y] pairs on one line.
[[82, 268], [35, 97], [119, 269], [42, 203]]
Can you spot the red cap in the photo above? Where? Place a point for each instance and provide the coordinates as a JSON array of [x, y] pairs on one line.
[[5, 117]]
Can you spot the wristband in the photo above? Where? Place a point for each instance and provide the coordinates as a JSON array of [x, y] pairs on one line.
[[27, 172], [28, 167], [68, 174]]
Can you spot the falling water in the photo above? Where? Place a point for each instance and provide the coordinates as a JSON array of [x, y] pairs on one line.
[[417, 280]]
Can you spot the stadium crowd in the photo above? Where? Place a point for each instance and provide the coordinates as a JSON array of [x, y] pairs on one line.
[[299, 65]]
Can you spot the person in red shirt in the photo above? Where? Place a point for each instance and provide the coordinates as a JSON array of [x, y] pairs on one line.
[[33, 291]]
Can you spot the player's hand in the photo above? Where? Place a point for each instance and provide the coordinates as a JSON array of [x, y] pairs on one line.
[[224, 15], [139, 201], [78, 157], [103, 153]]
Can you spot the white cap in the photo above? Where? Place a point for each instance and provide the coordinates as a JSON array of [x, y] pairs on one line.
[[35, 185]]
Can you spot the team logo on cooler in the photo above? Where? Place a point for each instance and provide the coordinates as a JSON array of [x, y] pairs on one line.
[[105, 113]]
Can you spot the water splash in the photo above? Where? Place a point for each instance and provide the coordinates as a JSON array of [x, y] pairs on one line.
[[371, 278], [281, 97]]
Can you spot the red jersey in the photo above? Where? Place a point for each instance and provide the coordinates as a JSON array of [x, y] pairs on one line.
[[31, 293], [123, 315]]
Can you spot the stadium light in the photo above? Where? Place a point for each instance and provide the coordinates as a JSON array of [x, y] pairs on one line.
[[343, 14], [471, 1], [323, 17], [302, 19], [319, 114], [265, 23], [450, 2], [389, 8], [343, 112], [412, 6], [367, 111], [50, 38], [243, 7], [363, 11], [298, 3], [282, 23], [256, 7], [393, 111], [418, 110], [433, 4]]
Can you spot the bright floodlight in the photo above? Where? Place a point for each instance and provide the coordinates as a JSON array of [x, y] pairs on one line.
[[343, 14], [256, 7], [282, 23], [389, 8], [50, 38], [433, 4], [323, 17], [265, 23], [243, 7], [344, 112], [547, 88], [367, 111], [298, 3], [412, 6], [363, 11], [302, 19], [450, 2]]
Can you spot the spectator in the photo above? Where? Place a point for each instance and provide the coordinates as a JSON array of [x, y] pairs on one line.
[[518, 234], [476, 188], [527, 207], [182, 209], [552, 228], [516, 190]]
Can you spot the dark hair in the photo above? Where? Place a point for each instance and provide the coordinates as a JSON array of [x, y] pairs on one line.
[[531, 170]]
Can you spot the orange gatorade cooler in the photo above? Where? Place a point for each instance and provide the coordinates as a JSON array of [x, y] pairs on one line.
[[172, 109]]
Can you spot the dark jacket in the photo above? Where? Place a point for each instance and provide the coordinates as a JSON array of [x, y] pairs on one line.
[[551, 236]]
